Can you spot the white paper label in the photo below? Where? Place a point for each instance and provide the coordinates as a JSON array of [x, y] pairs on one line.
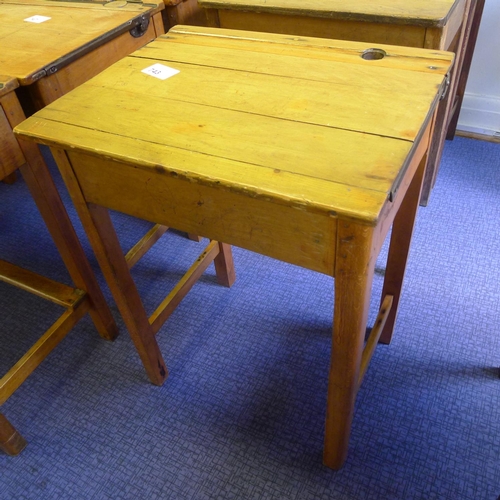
[[160, 71], [37, 19]]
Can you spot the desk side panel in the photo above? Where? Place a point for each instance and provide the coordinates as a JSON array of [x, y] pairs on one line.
[[184, 12], [255, 223], [409, 12], [391, 34]]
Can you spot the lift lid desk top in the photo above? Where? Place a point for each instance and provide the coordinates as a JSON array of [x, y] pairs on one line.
[[63, 43]]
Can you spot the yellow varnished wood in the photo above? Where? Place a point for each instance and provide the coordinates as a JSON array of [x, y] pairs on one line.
[[7, 84], [184, 12], [76, 301], [28, 47], [52, 86], [11, 157], [48, 289], [211, 134], [418, 12], [144, 244], [306, 25], [11, 442], [147, 155], [300, 238], [374, 336], [78, 41], [293, 147], [301, 97], [440, 25], [131, 6], [173, 299], [224, 265], [292, 110], [442, 37], [49, 203], [411, 58]]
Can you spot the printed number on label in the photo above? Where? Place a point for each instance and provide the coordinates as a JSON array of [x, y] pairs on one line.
[[37, 19], [160, 71]]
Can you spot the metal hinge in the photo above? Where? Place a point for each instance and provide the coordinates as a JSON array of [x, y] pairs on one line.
[[141, 27], [444, 87]]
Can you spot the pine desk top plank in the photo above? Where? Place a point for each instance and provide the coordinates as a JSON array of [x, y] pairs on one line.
[[297, 148]]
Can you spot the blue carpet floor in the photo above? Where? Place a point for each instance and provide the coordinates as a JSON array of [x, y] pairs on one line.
[[241, 415]]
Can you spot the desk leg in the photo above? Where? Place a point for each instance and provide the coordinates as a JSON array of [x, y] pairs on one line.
[[473, 22], [402, 230], [224, 265], [115, 268], [11, 442], [10, 179], [50, 205], [106, 246], [354, 270], [52, 209]]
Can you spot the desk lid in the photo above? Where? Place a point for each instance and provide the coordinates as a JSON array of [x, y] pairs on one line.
[[304, 121], [38, 37]]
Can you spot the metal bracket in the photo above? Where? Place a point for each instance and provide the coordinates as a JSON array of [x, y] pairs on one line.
[[141, 27], [444, 87]]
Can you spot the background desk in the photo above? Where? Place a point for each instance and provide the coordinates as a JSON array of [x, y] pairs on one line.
[[78, 41], [46, 60], [280, 154], [441, 24], [84, 297]]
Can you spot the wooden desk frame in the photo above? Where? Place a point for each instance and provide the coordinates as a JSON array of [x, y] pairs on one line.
[[37, 90], [44, 85], [86, 297], [358, 247], [337, 235], [468, 45]]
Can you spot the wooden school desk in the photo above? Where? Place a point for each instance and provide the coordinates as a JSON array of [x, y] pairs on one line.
[[306, 150], [431, 24], [66, 43], [76, 301], [48, 48]]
